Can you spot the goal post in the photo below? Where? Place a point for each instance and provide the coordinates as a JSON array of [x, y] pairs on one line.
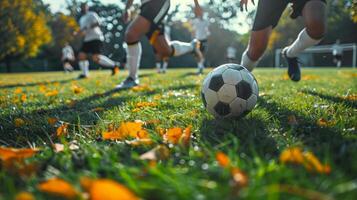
[[322, 49]]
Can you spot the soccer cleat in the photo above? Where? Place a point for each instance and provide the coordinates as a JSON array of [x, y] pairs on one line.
[[128, 83], [115, 70], [196, 44], [200, 71], [82, 76], [293, 67]]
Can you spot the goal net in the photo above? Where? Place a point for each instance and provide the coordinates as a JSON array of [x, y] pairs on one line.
[[319, 56]]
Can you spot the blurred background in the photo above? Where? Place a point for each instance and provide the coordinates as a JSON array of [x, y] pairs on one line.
[[33, 32]]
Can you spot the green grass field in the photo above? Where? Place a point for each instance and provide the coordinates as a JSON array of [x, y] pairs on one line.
[[318, 115]]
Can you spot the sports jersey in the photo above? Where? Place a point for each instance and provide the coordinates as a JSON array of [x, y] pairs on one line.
[[336, 50], [201, 28], [86, 23], [67, 53]]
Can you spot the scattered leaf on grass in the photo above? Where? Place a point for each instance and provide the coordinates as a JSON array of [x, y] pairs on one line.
[[352, 97], [161, 152], [52, 121], [222, 159], [58, 187], [23, 98], [324, 123], [13, 160], [18, 91], [77, 90], [292, 120], [240, 179], [142, 88], [51, 93], [62, 130], [106, 189], [127, 130], [98, 109], [19, 122], [177, 135], [24, 196]]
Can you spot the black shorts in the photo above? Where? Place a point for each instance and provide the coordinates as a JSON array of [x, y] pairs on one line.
[[92, 47], [155, 11], [269, 12], [66, 60], [203, 46], [338, 57]]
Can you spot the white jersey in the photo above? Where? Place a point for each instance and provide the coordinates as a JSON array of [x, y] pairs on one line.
[[231, 52], [86, 23], [67, 53], [337, 50], [201, 28]]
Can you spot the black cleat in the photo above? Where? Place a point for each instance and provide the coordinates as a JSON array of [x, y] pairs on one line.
[[82, 76], [293, 67]]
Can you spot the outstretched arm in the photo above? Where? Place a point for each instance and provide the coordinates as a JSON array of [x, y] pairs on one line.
[[244, 3], [128, 5], [198, 9]]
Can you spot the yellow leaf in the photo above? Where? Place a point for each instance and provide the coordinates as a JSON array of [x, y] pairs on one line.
[[13, 160], [23, 97], [77, 90], [51, 93], [186, 138], [352, 97], [223, 159], [98, 109], [19, 122], [107, 189], [292, 155], [24, 196], [313, 164], [62, 130], [52, 120], [58, 187], [145, 104], [10, 153], [239, 177], [173, 135], [126, 130], [18, 91]]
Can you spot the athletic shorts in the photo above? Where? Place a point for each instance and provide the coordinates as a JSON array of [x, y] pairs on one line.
[[203, 46], [66, 60], [338, 57], [92, 47], [155, 11], [269, 12]]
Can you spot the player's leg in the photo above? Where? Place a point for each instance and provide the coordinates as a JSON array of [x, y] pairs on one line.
[[201, 58], [267, 17], [106, 62], [165, 62], [83, 64], [258, 43], [158, 63], [137, 28], [313, 12]]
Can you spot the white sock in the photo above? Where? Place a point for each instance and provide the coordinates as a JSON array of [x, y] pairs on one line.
[[302, 42], [247, 62], [181, 48], [133, 57], [164, 66], [158, 66], [84, 66], [201, 64], [105, 61]]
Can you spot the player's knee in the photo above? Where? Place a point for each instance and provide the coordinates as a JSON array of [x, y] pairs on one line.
[[316, 29], [131, 36], [95, 58], [82, 56]]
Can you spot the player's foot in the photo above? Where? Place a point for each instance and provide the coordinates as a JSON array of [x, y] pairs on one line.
[[115, 70], [196, 44], [128, 83], [200, 71], [293, 67], [82, 76]]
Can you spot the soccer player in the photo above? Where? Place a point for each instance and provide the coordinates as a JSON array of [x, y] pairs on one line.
[[93, 41], [337, 52], [67, 58], [162, 62], [267, 16], [149, 23], [231, 53], [201, 33]]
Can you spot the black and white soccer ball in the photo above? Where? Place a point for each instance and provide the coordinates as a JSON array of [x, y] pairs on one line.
[[230, 90]]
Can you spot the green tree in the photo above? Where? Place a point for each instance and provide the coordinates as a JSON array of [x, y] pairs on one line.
[[23, 30]]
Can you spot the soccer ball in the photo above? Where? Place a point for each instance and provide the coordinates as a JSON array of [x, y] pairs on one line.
[[230, 90]]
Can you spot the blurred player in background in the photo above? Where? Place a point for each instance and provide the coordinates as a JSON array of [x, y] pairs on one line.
[[162, 62], [337, 52], [150, 23], [92, 43], [267, 17], [231, 53], [201, 33], [67, 58]]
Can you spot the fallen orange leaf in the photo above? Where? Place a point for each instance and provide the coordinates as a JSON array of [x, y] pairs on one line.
[[292, 155], [77, 90], [239, 177], [23, 97], [24, 196], [58, 187], [13, 160], [18, 91], [223, 159], [19, 122], [126, 130], [292, 120], [173, 135], [51, 93], [62, 130], [107, 189], [52, 120]]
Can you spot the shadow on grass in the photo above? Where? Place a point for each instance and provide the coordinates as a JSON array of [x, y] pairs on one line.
[[83, 110], [36, 83], [250, 132], [320, 140], [189, 74], [332, 98]]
